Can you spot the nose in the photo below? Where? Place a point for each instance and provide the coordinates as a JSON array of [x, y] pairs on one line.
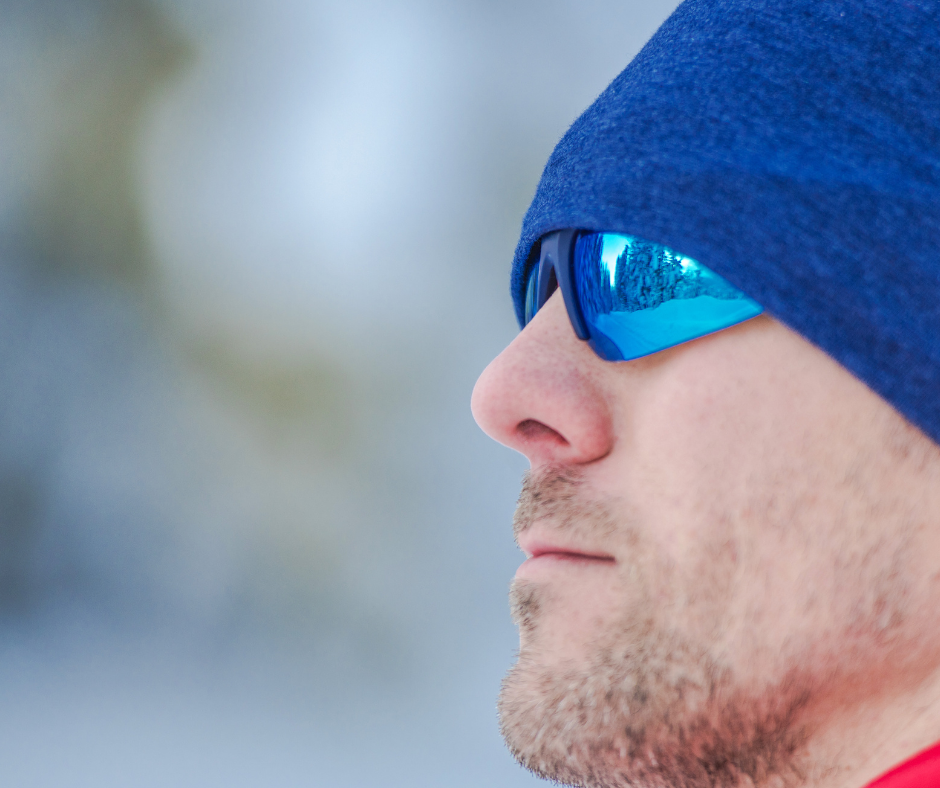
[[544, 395]]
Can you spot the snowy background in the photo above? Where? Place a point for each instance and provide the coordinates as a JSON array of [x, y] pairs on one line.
[[253, 256]]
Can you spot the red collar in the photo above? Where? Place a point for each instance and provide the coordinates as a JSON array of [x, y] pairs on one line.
[[921, 771]]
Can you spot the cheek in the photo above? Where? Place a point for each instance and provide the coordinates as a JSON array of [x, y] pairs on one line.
[[726, 462], [741, 419], [698, 443]]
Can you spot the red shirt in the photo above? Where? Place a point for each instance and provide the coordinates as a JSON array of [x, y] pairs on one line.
[[921, 771]]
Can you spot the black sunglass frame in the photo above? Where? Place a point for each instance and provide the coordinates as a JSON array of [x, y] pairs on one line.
[[556, 267]]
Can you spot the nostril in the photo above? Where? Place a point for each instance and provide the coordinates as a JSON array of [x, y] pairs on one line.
[[532, 430]]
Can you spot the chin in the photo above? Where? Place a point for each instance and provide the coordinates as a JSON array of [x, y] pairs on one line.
[[645, 708]]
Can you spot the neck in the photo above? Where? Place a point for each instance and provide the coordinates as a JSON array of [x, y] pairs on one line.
[[854, 747]]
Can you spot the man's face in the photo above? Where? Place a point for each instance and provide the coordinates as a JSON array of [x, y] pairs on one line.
[[731, 548]]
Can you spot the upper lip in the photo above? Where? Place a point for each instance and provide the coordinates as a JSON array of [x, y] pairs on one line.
[[533, 547]]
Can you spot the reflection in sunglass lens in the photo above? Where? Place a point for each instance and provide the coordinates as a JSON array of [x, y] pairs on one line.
[[638, 297]]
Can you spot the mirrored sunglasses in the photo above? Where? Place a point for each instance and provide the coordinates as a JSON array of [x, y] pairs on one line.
[[627, 297]]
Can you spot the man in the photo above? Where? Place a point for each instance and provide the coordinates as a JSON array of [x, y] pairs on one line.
[[733, 535]]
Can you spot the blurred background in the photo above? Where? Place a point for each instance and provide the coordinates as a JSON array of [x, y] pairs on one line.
[[253, 255]]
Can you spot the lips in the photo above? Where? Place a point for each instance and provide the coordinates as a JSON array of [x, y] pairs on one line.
[[568, 555], [543, 556]]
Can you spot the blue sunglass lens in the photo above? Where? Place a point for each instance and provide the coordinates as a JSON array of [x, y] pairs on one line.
[[532, 294], [639, 297]]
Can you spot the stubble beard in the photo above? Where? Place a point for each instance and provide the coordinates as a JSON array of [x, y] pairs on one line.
[[645, 706]]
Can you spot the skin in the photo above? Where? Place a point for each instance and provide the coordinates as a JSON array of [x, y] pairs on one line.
[[735, 578]]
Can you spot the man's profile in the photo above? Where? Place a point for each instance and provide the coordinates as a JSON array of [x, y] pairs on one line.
[[728, 387]]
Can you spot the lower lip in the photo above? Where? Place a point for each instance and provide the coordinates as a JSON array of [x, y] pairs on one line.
[[555, 561]]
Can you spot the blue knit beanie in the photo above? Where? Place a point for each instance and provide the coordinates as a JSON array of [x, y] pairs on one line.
[[792, 146]]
